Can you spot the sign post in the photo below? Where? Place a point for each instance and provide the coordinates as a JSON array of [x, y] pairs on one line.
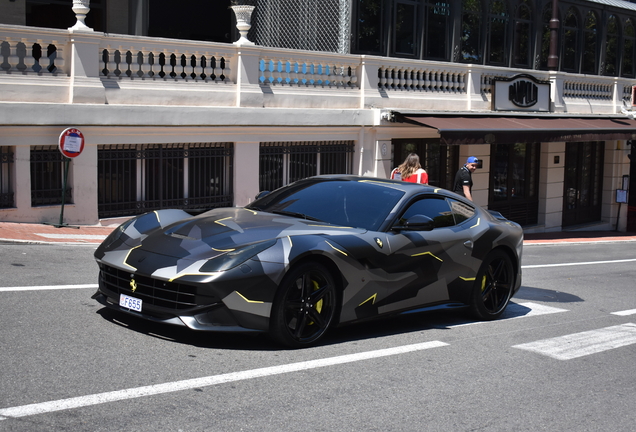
[[70, 144]]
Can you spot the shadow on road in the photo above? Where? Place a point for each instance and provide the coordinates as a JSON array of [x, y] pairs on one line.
[[545, 295]]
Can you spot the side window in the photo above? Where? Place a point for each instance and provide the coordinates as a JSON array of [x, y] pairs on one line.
[[436, 209], [461, 211]]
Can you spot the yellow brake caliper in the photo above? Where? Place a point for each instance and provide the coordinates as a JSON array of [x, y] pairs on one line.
[[319, 304]]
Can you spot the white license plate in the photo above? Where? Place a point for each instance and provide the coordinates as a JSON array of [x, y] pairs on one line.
[[130, 302]]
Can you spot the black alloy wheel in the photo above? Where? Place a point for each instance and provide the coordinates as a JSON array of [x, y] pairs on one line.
[[493, 286], [305, 306]]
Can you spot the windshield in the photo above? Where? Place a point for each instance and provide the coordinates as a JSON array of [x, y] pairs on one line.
[[353, 203]]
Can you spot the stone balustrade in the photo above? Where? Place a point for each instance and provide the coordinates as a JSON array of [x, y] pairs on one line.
[[49, 65]]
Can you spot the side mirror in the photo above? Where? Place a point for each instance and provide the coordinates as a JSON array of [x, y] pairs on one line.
[[261, 194], [415, 223]]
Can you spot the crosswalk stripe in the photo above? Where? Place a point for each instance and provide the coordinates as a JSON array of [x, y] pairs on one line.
[[585, 343], [132, 393], [625, 312], [516, 310]]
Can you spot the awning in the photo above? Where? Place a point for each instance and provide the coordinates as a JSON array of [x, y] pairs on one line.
[[477, 129]]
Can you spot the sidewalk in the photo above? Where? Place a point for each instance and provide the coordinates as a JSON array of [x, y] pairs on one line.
[[94, 234]]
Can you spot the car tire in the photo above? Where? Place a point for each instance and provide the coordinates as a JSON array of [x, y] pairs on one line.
[[305, 306], [493, 286]]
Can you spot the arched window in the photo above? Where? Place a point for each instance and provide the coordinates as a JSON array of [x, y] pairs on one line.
[[546, 16], [589, 44], [611, 47], [471, 32], [436, 29], [570, 42], [629, 38], [521, 46], [498, 22]]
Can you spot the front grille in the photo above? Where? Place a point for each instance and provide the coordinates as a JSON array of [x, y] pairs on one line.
[[160, 293]]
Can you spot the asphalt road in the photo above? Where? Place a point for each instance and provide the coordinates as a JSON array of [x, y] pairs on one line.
[[562, 360]]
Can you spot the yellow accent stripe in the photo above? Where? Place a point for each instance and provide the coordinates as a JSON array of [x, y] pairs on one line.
[[249, 301], [290, 242], [251, 211], [219, 221], [335, 248], [428, 253], [223, 250], [329, 226], [478, 220], [372, 298], [467, 279], [127, 255], [437, 190], [192, 274]]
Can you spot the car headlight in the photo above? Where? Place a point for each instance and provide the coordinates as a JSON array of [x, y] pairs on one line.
[[236, 257], [117, 233]]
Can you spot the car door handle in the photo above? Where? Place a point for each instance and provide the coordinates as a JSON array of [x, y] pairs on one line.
[[468, 244]]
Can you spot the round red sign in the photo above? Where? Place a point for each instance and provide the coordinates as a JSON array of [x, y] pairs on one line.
[[71, 142]]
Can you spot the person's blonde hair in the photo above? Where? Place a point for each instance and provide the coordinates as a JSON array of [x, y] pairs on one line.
[[410, 165]]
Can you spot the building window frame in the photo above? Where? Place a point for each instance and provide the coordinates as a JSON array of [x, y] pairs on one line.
[[134, 179], [47, 176], [7, 170], [282, 163]]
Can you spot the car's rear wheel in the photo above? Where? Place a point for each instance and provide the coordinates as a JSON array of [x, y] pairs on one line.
[[305, 305], [493, 286]]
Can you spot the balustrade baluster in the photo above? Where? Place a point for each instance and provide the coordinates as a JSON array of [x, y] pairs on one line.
[[382, 77], [195, 60], [57, 57], [280, 72], [215, 65], [151, 63], [406, 79], [117, 61], [226, 70], [21, 53], [318, 74], [288, 72], [12, 58], [352, 76], [293, 76], [141, 56], [417, 80]]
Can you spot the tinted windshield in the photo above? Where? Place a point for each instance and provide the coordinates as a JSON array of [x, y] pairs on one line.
[[360, 204]]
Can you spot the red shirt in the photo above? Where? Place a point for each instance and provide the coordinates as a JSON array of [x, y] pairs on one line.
[[420, 176]]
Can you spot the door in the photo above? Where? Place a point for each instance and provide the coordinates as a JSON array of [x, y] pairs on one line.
[[439, 160], [583, 185]]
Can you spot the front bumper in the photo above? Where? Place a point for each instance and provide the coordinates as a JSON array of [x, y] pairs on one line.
[[213, 319]]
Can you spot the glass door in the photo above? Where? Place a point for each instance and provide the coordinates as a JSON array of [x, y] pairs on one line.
[[583, 185]]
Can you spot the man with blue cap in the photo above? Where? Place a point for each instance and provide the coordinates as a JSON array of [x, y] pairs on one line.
[[464, 178]]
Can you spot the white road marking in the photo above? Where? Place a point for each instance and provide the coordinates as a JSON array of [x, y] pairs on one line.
[[577, 264], [44, 288], [625, 312], [582, 344], [100, 398], [73, 236], [517, 310]]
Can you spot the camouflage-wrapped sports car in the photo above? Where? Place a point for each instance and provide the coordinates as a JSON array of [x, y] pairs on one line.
[[320, 252]]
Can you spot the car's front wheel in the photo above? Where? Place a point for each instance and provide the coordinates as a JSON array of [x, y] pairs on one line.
[[305, 305], [493, 286]]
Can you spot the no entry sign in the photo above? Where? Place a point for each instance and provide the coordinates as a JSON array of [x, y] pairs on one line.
[[71, 142]]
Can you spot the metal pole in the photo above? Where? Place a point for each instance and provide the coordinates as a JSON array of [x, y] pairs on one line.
[[553, 57], [64, 181]]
